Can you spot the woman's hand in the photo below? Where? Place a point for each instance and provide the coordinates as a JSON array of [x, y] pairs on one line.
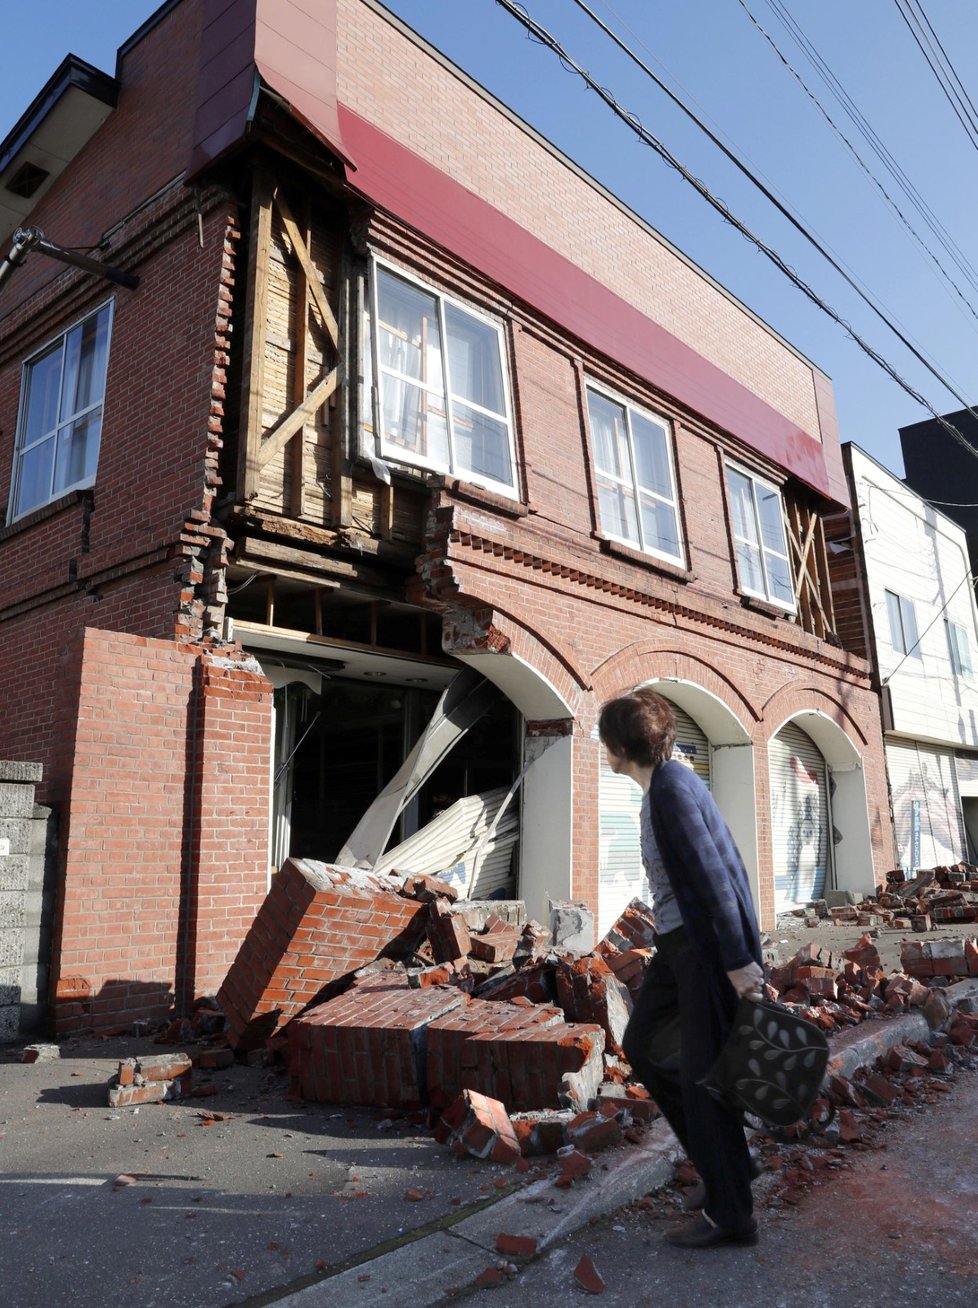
[[748, 981]]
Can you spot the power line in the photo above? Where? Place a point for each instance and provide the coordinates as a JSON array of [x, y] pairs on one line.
[[866, 130], [944, 80], [546, 38], [795, 222], [855, 154]]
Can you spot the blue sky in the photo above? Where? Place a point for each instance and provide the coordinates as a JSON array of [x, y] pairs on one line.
[[711, 54]]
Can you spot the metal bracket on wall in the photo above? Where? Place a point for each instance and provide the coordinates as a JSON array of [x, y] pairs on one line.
[[28, 239]]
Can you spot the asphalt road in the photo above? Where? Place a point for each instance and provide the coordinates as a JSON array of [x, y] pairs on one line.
[[238, 1194]]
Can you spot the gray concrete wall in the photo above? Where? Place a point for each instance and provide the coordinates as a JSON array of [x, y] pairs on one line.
[[17, 835]]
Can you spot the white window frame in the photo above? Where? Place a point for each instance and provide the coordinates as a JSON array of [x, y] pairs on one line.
[[898, 607], [398, 453], [20, 449], [763, 551], [632, 486], [959, 648]]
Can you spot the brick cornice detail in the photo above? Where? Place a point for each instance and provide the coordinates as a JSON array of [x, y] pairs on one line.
[[642, 598]]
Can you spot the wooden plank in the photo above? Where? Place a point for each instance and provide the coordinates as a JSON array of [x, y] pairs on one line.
[[251, 550], [256, 324], [300, 251], [300, 357], [280, 435]]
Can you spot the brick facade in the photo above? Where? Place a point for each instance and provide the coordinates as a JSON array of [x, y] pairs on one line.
[[153, 733]]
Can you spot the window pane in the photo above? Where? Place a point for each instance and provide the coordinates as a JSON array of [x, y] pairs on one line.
[[481, 444], [964, 650], [414, 420], [909, 619], [780, 587], [43, 386], [769, 512], [610, 436], [408, 335], [749, 567], [659, 526], [652, 456], [474, 366], [34, 486], [84, 368], [895, 621], [617, 507], [77, 453], [742, 506]]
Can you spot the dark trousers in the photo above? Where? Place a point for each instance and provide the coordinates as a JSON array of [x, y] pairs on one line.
[[675, 1005]]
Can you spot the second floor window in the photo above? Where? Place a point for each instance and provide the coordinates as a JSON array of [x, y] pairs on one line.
[[763, 568], [960, 652], [444, 400], [60, 424], [903, 624], [636, 483]]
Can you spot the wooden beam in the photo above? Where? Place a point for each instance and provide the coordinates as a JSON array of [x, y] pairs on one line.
[[291, 229], [252, 550], [300, 352], [282, 432], [256, 327]]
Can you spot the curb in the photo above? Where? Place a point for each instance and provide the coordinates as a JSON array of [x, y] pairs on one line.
[[427, 1272]]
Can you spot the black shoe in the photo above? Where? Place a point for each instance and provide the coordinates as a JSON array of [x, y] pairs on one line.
[[697, 1196], [702, 1234]]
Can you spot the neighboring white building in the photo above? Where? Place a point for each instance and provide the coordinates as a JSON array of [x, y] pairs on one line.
[[920, 615]]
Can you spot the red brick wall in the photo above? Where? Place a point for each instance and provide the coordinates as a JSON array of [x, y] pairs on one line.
[[141, 855]]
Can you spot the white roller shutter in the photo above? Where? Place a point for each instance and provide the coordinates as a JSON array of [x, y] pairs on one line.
[[692, 746], [927, 820], [800, 827], [621, 873]]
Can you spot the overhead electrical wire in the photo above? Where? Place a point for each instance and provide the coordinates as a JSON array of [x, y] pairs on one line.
[[866, 130], [873, 301], [540, 33], [858, 158], [946, 77]]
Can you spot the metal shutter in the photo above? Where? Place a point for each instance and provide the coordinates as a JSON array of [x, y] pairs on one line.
[[800, 827], [692, 745], [927, 822], [621, 873]]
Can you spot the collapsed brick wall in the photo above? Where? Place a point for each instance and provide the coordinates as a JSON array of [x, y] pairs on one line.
[[153, 900], [318, 924]]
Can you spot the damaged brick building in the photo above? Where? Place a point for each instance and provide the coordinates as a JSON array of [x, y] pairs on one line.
[[329, 538]]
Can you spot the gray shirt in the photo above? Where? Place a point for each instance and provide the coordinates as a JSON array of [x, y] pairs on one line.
[[665, 910]]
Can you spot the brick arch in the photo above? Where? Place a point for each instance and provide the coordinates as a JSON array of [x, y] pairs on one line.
[[480, 635], [790, 702], [642, 662]]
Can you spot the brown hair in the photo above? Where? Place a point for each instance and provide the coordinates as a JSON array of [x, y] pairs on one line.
[[640, 726]]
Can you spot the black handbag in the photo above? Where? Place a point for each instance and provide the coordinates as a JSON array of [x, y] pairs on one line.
[[772, 1065]]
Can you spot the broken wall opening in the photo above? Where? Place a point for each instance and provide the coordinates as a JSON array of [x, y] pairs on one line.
[[339, 740]]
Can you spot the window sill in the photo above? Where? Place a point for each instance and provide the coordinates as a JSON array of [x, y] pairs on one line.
[[44, 512], [474, 494], [757, 605], [620, 551]]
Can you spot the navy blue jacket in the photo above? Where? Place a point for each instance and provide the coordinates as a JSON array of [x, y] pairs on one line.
[[706, 872]]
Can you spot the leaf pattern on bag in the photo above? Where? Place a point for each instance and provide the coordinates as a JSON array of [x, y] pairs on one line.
[[775, 1087]]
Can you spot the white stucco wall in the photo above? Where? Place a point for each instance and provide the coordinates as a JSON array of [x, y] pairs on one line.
[[915, 551]]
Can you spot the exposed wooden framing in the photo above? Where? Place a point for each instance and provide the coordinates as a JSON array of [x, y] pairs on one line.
[[300, 357], [283, 431], [270, 601], [256, 324], [301, 252], [812, 592], [253, 552]]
